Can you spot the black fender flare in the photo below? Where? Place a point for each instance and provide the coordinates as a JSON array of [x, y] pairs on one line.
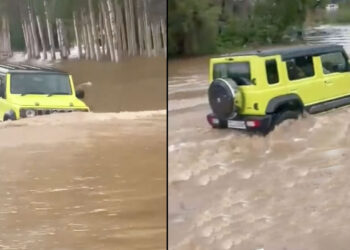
[[10, 115], [274, 103]]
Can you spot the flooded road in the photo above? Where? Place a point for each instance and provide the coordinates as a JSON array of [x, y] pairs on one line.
[[227, 190], [90, 180]]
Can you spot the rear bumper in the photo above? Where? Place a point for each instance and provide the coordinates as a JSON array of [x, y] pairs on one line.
[[247, 123]]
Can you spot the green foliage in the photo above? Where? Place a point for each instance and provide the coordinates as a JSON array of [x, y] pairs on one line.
[[192, 26], [196, 25]]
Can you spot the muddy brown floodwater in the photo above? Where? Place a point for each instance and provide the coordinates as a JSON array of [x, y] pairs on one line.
[[228, 190], [133, 85], [90, 180]]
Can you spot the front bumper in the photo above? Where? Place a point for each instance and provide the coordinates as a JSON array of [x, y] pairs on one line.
[[39, 112], [261, 124]]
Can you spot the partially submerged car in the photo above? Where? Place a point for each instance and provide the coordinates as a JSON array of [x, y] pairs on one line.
[[28, 91], [258, 90]]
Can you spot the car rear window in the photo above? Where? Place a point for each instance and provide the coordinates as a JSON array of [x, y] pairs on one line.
[[237, 71]]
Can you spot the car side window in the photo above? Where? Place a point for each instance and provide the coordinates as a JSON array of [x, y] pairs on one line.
[[300, 67], [2, 87], [272, 71], [333, 63]]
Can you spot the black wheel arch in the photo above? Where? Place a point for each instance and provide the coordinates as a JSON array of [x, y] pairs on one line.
[[9, 115], [290, 101]]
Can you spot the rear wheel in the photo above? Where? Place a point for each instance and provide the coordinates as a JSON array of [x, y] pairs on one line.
[[285, 115]]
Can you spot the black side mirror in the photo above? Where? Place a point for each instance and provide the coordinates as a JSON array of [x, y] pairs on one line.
[[80, 94]]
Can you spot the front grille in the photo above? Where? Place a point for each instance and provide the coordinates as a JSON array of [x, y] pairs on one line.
[[39, 112]]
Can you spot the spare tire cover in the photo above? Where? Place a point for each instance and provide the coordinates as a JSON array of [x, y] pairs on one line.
[[222, 94]]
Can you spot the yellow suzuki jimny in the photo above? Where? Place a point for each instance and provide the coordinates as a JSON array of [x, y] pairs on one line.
[[255, 91], [27, 91]]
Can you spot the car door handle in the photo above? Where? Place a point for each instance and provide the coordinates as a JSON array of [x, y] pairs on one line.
[[326, 81]]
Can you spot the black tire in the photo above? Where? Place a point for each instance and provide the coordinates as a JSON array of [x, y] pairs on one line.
[[285, 115], [221, 125], [9, 116], [222, 95]]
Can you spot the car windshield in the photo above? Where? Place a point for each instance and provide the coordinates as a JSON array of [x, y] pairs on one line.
[[40, 84]]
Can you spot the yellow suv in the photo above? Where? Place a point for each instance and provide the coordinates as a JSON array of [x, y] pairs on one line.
[[27, 91], [257, 90]]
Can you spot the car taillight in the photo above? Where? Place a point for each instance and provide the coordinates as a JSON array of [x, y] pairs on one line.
[[212, 120], [253, 124]]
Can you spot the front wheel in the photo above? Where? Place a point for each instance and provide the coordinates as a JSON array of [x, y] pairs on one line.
[[9, 116]]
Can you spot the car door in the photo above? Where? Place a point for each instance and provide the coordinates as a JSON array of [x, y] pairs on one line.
[[336, 75], [304, 80]]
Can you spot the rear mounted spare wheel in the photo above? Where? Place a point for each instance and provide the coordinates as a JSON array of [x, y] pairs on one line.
[[225, 98]]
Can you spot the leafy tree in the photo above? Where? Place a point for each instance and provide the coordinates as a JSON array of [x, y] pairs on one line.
[[202, 26], [192, 26]]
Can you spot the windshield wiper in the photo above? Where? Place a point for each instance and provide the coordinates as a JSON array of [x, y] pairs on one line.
[[31, 93], [57, 93]]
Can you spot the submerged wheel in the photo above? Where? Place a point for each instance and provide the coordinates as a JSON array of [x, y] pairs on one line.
[[224, 98], [286, 115], [9, 116]]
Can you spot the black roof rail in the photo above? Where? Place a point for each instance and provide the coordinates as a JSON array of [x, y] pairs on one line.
[[5, 66], [289, 52], [10, 66]]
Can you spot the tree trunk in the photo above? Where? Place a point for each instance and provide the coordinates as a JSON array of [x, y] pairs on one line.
[[148, 39], [8, 37], [93, 32], [49, 32], [27, 34], [43, 43], [154, 39], [127, 26], [63, 39], [101, 32], [59, 37], [121, 22], [140, 36], [108, 31], [31, 40], [85, 36], [90, 39], [77, 38], [164, 36], [26, 41], [113, 29], [5, 42], [132, 27], [33, 30]]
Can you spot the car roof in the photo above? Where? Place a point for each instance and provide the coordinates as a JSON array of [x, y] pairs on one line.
[[292, 51], [25, 68]]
